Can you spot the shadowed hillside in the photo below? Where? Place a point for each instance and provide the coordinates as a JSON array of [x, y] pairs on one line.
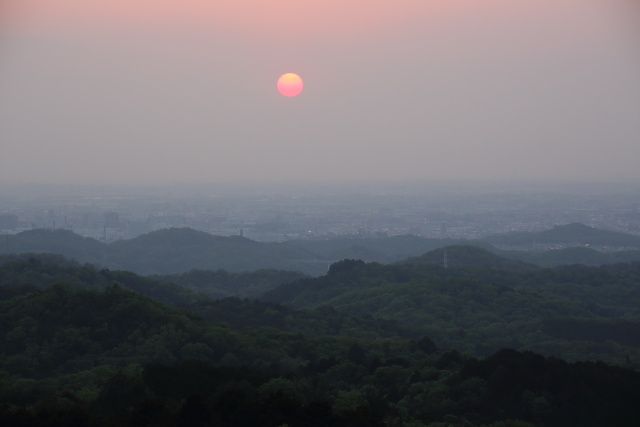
[[481, 309], [168, 251], [36, 273], [179, 250], [469, 256], [570, 235]]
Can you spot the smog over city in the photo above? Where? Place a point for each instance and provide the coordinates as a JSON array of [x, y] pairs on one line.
[[320, 213]]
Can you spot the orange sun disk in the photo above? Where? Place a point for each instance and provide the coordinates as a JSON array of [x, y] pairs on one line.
[[290, 84]]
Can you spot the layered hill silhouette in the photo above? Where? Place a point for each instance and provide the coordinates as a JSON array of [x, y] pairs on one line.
[[113, 357], [363, 344], [173, 251], [572, 255], [168, 251], [470, 256], [384, 250], [570, 234], [64, 329], [483, 308], [38, 271], [35, 271]]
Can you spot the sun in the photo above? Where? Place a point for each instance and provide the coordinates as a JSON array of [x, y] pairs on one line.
[[290, 84]]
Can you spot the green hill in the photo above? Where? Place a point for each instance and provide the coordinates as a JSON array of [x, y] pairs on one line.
[[21, 277], [223, 284], [37, 274], [73, 356], [63, 329], [481, 309], [241, 314]]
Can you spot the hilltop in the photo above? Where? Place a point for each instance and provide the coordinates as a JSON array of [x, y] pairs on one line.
[[168, 251], [470, 256], [366, 344], [574, 234], [178, 250], [481, 309], [77, 357]]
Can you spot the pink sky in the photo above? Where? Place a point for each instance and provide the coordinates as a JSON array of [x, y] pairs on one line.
[[501, 89], [295, 18], [273, 16]]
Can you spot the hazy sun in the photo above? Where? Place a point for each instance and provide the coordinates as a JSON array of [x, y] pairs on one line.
[[290, 84]]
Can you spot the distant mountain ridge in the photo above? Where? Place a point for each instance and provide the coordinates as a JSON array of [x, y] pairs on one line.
[[569, 234], [173, 251], [470, 256], [168, 251]]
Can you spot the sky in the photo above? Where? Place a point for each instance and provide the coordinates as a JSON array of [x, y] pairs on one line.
[[184, 91]]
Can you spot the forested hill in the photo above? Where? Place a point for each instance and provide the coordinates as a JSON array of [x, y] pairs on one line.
[[571, 255], [224, 284], [481, 309], [517, 260], [59, 242], [569, 235], [168, 251], [196, 291], [178, 250], [174, 251], [470, 256], [383, 250], [38, 272], [78, 357], [63, 330]]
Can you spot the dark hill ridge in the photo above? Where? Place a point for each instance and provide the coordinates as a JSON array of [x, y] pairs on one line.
[[62, 330], [569, 234], [385, 250], [36, 273], [44, 257], [168, 251], [24, 276], [60, 242], [179, 250], [172, 251], [72, 357], [470, 256], [572, 255], [480, 309], [223, 284]]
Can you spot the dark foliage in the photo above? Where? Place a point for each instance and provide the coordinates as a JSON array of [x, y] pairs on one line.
[[41, 273]]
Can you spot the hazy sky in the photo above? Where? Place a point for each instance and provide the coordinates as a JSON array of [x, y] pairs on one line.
[[180, 91]]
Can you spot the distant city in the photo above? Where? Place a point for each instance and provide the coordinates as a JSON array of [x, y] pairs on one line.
[[441, 210]]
